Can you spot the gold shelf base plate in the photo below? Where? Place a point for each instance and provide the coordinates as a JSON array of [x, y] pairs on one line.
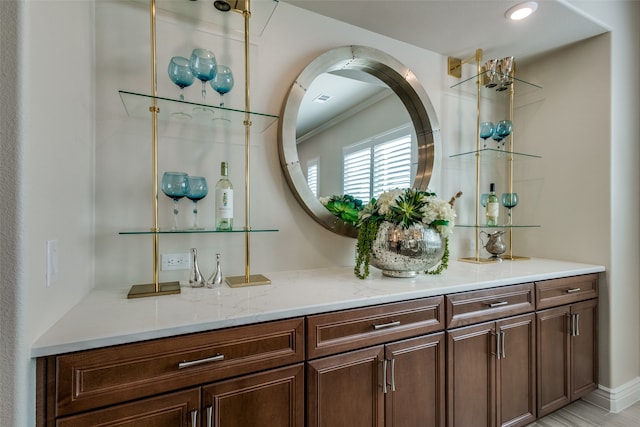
[[454, 67], [515, 257], [241, 281], [148, 290], [475, 260]]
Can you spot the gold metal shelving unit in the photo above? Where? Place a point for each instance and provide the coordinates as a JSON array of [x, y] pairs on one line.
[[455, 70], [159, 108]]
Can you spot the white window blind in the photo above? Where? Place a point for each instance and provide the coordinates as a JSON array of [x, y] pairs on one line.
[[378, 164], [312, 175]]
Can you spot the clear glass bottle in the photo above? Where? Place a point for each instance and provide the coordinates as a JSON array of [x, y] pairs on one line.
[[195, 277], [224, 200], [493, 207]]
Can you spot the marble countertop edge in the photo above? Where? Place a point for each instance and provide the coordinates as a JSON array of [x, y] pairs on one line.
[[106, 317]]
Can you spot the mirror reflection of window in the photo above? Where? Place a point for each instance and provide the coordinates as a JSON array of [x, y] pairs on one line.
[[313, 167], [378, 164]]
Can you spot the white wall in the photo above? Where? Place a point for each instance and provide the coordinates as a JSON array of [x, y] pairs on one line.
[[101, 159]]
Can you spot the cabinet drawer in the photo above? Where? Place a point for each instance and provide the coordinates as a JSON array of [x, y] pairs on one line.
[[566, 290], [101, 377], [471, 307], [351, 329]]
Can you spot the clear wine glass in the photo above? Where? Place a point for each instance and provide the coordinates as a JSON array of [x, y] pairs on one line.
[[203, 67], [505, 66], [181, 75], [492, 67], [503, 129], [509, 201], [222, 82], [486, 130], [197, 191], [175, 185]]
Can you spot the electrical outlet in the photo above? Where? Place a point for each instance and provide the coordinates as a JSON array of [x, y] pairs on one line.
[[176, 262]]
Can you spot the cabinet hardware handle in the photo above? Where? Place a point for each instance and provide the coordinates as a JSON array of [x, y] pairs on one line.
[[502, 344], [497, 304], [573, 290], [216, 358], [393, 374], [386, 325], [384, 376], [210, 416], [497, 345], [194, 418], [577, 325]]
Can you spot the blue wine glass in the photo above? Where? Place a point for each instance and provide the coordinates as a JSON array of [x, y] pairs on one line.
[[504, 129], [222, 82], [509, 201], [483, 199], [181, 75], [203, 67], [175, 185], [197, 191], [486, 130]]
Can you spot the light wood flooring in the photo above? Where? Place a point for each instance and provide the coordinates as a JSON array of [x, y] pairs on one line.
[[583, 414]]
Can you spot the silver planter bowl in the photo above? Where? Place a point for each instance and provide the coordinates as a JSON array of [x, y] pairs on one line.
[[404, 252]]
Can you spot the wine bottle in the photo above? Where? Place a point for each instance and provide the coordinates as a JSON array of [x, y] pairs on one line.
[[224, 200], [493, 207]]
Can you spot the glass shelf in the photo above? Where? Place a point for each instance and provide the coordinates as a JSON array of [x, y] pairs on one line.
[[505, 226], [198, 231], [137, 105], [481, 75], [493, 153], [205, 13]]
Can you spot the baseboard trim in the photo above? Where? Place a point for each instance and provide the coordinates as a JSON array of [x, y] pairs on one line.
[[617, 399]]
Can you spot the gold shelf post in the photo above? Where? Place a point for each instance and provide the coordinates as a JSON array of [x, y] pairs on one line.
[[248, 279], [455, 70], [155, 288]]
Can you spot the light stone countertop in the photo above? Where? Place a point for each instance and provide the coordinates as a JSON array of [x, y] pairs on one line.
[[106, 317]]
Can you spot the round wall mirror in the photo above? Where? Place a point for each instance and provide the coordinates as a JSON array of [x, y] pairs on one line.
[[355, 122]]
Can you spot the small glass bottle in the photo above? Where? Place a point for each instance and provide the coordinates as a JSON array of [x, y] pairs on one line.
[[493, 207], [216, 278], [195, 278], [224, 200]]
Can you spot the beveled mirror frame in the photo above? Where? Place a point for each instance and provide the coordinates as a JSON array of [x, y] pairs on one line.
[[399, 79]]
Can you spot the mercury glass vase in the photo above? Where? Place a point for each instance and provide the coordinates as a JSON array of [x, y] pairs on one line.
[[405, 252]]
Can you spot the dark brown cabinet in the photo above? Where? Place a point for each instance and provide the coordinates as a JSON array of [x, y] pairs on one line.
[[378, 366], [399, 384], [491, 364], [257, 367], [491, 373], [567, 342]]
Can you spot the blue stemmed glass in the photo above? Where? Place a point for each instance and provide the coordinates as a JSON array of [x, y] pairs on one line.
[[203, 67], [483, 199], [176, 186], [222, 82], [486, 130], [503, 129], [509, 201], [181, 75], [197, 191]]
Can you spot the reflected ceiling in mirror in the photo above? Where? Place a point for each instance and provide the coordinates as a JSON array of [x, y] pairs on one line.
[[353, 82]]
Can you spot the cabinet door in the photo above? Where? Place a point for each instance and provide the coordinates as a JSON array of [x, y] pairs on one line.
[[346, 389], [554, 351], [471, 376], [415, 377], [167, 410], [273, 398], [584, 348], [516, 379]]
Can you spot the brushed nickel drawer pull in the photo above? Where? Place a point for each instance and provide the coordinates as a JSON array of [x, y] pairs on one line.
[[386, 325], [497, 304], [574, 290], [210, 416], [216, 358], [194, 418]]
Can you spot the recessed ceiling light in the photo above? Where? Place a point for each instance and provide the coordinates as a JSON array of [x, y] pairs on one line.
[[521, 11]]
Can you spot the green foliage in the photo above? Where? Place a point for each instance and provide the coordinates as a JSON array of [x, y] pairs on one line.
[[345, 207], [366, 235]]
